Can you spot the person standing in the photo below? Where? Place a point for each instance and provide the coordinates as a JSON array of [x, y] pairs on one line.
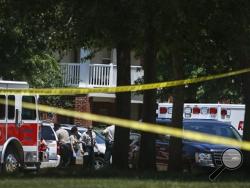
[[88, 139], [109, 133], [74, 144], [64, 144]]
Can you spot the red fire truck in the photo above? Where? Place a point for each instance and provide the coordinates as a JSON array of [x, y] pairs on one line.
[[19, 130]]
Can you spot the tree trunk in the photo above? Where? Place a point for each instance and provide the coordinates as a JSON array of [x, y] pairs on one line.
[[147, 150], [245, 61], [121, 143], [246, 131], [175, 145]]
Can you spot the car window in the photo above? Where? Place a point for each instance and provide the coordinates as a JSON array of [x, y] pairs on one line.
[[47, 133], [2, 107], [163, 138], [214, 129], [81, 131], [11, 108], [28, 114]]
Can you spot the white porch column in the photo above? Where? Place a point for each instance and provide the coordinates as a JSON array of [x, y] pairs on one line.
[[84, 68], [111, 74], [84, 75], [83, 54], [114, 56]]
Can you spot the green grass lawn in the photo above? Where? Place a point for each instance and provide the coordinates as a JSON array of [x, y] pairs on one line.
[[112, 183], [115, 179]]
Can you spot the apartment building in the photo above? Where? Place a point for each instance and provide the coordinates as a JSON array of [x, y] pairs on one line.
[[98, 71]]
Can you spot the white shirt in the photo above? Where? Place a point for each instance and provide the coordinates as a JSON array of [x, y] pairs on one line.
[[86, 138], [109, 133], [63, 136]]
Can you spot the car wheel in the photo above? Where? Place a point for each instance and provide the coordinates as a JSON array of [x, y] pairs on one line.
[[11, 163], [38, 167], [99, 163]]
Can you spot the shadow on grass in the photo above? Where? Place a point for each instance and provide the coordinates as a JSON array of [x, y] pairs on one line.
[[79, 173]]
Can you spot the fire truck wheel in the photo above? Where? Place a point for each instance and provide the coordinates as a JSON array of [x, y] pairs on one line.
[[11, 162]]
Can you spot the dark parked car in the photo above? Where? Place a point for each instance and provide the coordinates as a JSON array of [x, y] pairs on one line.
[[196, 155]]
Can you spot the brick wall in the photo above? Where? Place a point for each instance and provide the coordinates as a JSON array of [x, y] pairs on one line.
[[83, 104], [103, 108]]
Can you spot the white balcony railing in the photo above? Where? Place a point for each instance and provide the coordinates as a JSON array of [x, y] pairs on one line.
[[71, 73], [94, 75], [100, 75]]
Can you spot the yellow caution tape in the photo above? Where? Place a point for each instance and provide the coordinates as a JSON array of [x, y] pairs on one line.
[[141, 126], [75, 91]]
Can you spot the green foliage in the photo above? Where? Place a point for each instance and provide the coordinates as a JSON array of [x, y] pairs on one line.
[[197, 31], [18, 43], [45, 72], [27, 38]]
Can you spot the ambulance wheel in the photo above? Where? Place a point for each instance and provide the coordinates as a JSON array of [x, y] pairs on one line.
[[11, 163]]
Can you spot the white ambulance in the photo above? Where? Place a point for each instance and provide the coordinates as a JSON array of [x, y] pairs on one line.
[[231, 113]]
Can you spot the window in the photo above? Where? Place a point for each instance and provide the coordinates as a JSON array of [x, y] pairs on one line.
[[213, 129], [163, 138], [11, 108], [29, 114], [47, 133], [2, 107]]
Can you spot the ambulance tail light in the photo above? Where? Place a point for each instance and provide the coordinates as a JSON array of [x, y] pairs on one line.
[[241, 125], [163, 110], [196, 110], [213, 111]]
